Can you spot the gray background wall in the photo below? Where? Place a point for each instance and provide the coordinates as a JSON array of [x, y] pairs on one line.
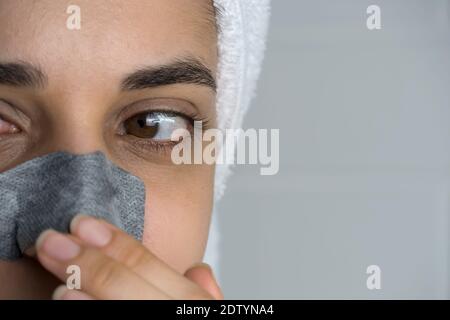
[[364, 119]]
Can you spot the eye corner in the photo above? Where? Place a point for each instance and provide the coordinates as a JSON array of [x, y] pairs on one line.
[[8, 127]]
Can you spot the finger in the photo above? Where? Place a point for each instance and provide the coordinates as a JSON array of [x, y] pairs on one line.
[[123, 248], [30, 252], [101, 276], [63, 293], [203, 275]]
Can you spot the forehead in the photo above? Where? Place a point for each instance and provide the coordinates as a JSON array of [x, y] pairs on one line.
[[115, 34]]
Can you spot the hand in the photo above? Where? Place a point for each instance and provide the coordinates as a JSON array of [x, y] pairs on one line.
[[115, 266]]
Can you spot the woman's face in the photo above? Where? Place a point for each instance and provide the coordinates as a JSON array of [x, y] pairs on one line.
[[85, 91]]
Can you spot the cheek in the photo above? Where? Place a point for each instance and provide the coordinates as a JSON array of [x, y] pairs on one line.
[[177, 219]]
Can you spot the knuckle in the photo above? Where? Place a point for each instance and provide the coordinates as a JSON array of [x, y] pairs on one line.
[[135, 257], [104, 275]]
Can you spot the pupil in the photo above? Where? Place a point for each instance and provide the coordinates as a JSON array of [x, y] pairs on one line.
[[141, 122], [139, 127]]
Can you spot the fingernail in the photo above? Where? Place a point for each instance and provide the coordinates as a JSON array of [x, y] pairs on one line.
[[57, 246], [202, 265], [206, 267], [30, 252], [92, 231]]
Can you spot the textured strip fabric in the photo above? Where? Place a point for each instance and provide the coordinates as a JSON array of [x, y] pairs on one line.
[[48, 191]]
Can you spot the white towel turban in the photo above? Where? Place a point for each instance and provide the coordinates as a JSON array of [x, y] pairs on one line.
[[243, 27]]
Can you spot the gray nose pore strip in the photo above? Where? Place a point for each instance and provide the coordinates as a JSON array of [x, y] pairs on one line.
[[47, 192]]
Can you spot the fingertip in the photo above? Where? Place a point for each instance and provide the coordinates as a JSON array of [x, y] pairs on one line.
[[30, 252], [203, 275], [59, 292], [40, 240], [75, 221]]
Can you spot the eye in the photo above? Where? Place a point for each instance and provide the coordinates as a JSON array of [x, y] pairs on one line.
[[156, 125], [7, 127]]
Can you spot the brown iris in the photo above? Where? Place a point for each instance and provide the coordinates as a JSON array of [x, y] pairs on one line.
[[139, 126]]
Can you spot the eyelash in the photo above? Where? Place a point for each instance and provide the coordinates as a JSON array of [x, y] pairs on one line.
[[153, 145]]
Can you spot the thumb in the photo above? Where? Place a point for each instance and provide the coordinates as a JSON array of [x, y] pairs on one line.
[[202, 275]]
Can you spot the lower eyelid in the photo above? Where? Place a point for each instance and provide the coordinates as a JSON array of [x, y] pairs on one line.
[[148, 151], [149, 144]]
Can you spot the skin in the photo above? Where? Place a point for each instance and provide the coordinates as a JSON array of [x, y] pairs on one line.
[[79, 110]]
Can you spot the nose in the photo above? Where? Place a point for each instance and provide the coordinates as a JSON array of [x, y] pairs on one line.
[[76, 128]]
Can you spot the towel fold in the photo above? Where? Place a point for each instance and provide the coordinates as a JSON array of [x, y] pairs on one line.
[[243, 28]]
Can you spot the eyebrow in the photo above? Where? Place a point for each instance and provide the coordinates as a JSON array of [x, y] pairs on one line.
[[188, 70], [22, 74]]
